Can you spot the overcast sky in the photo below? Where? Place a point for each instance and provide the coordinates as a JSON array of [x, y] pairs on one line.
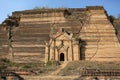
[[8, 6]]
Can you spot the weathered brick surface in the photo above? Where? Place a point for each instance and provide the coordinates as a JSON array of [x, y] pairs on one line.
[[99, 39], [4, 43]]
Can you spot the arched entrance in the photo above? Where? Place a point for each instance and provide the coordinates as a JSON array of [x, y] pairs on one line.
[[62, 57]]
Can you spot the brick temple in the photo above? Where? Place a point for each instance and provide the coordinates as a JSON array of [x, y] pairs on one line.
[[63, 34]]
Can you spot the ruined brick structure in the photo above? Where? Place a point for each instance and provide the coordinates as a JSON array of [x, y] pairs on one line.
[[25, 35]]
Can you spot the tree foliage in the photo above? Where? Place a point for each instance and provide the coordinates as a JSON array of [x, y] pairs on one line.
[[111, 18], [116, 23], [40, 8]]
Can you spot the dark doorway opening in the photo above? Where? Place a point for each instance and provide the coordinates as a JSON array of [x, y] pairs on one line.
[[61, 56]]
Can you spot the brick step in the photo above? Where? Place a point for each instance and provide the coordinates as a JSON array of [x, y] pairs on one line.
[[3, 32], [68, 23], [97, 52], [45, 22], [28, 49], [97, 34], [4, 50], [21, 61], [4, 45], [96, 40], [25, 54], [97, 31], [30, 56], [3, 53], [105, 59], [34, 31], [26, 28], [25, 51], [40, 27], [102, 52], [99, 16], [2, 42], [100, 27], [29, 32], [102, 46], [109, 50], [99, 38], [96, 20], [94, 43], [41, 15], [36, 59], [42, 19], [28, 42], [30, 52], [31, 35], [39, 22], [25, 33], [4, 37], [111, 55], [27, 45], [26, 24], [34, 38], [33, 25]]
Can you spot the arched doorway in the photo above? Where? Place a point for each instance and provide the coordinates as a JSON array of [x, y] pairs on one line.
[[61, 56]]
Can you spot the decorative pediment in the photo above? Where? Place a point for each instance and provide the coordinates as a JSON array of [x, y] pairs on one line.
[[63, 36]]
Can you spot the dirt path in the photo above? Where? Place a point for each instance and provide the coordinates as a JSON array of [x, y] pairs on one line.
[[59, 69]]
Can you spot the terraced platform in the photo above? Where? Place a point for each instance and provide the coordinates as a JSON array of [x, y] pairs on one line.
[[26, 41]]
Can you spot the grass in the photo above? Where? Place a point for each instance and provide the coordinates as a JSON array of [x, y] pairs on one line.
[[76, 67], [38, 68], [73, 68]]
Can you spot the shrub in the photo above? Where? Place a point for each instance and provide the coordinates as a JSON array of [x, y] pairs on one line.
[[5, 60], [27, 66], [2, 67], [52, 63]]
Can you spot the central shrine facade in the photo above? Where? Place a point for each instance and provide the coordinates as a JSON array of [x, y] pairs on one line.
[[63, 47]]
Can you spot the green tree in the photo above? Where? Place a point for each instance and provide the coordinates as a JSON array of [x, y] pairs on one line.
[[111, 18]]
